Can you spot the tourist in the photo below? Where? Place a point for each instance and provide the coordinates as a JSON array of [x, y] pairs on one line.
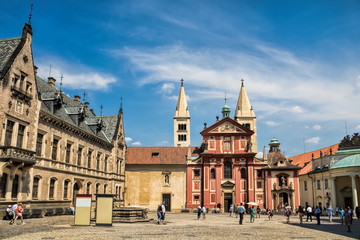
[[330, 212], [271, 214], [231, 210], [199, 212], [287, 214], [341, 215], [301, 213], [252, 214], [309, 214], [348, 219], [163, 213], [317, 214], [203, 212], [9, 214], [357, 212], [159, 210], [351, 212], [14, 207], [72, 209], [258, 211], [19, 213], [241, 211]]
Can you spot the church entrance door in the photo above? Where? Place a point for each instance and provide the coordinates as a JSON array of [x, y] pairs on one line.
[[284, 199], [167, 199], [227, 201]]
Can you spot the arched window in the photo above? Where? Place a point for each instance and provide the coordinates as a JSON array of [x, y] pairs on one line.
[[167, 179], [52, 188], [15, 187], [66, 189], [3, 183], [227, 170], [243, 173], [35, 188], [212, 173], [97, 188], [105, 188], [88, 186]]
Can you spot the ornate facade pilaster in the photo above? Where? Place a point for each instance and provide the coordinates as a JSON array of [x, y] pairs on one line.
[[333, 191]]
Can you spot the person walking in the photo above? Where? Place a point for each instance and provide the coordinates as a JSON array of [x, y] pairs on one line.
[[301, 213], [203, 212], [330, 212], [241, 211], [287, 214], [317, 214], [348, 219], [18, 212], [163, 209], [198, 212], [271, 214], [231, 210], [309, 214], [341, 215], [252, 214], [159, 210], [258, 211], [9, 214]]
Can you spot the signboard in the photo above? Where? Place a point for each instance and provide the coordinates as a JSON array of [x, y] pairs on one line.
[[104, 209], [83, 209]]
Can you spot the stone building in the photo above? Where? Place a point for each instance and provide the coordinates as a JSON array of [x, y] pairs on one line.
[[331, 176], [51, 146]]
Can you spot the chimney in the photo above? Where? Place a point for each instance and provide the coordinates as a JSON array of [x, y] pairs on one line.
[[51, 81], [86, 105], [77, 98]]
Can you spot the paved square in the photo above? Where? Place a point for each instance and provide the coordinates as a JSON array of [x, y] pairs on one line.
[[181, 226]]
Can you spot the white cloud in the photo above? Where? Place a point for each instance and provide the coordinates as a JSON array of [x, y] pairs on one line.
[[307, 127], [297, 109], [75, 76], [357, 127], [271, 123], [162, 143], [314, 140], [128, 139], [136, 143], [317, 127], [167, 88]]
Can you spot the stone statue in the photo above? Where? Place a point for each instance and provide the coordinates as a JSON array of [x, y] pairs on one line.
[[283, 181], [248, 146]]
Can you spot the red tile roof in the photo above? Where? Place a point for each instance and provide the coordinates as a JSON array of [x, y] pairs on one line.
[[157, 155], [304, 160]]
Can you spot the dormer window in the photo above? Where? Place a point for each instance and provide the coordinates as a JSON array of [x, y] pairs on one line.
[[155, 154]]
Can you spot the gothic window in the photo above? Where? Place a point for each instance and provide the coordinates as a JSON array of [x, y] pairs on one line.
[[98, 161], [88, 188], [66, 188], [227, 169], [181, 127], [243, 173], [117, 165], [212, 173], [39, 140], [97, 188], [52, 188], [3, 183], [326, 184], [117, 192], [20, 137], [54, 148], [305, 185], [80, 149], [68, 151], [318, 183], [9, 132], [227, 146], [35, 188], [105, 188], [105, 163], [15, 187], [89, 159], [182, 138]]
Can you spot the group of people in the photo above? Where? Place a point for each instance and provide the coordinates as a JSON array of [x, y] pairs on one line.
[[161, 213], [240, 211], [15, 212], [201, 213]]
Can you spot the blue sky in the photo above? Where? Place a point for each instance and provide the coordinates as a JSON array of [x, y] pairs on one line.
[[299, 60]]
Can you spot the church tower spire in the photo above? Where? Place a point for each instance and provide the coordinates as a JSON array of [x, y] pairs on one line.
[[245, 115], [182, 120]]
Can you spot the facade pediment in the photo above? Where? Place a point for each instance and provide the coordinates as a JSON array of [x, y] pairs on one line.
[[227, 127]]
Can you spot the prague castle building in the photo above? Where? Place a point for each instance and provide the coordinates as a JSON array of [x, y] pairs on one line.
[[52, 146]]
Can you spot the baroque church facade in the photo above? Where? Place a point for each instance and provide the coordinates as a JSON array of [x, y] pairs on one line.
[[52, 147]]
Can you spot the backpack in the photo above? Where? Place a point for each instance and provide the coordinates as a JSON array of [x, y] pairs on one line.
[[159, 208]]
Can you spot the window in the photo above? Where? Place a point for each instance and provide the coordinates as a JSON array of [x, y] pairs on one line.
[[89, 159], [68, 151], [97, 188], [247, 125], [305, 186], [98, 161], [105, 163], [117, 165], [227, 169], [35, 188], [66, 188], [79, 156], [213, 173], [326, 184], [22, 80], [227, 146], [117, 192], [39, 140], [15, 187], [20, 138], [243, 173], [181, 127], [88, 188], [54, 148], [3, 183], [318, 183], [105, 189], [259, 184], [196, 197], [259, 173], [196, 172], [8, 133], [167, 179], [52, 188], [182, 138]]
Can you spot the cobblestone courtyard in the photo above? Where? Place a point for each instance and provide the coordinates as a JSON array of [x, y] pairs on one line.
[[181, 226]]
